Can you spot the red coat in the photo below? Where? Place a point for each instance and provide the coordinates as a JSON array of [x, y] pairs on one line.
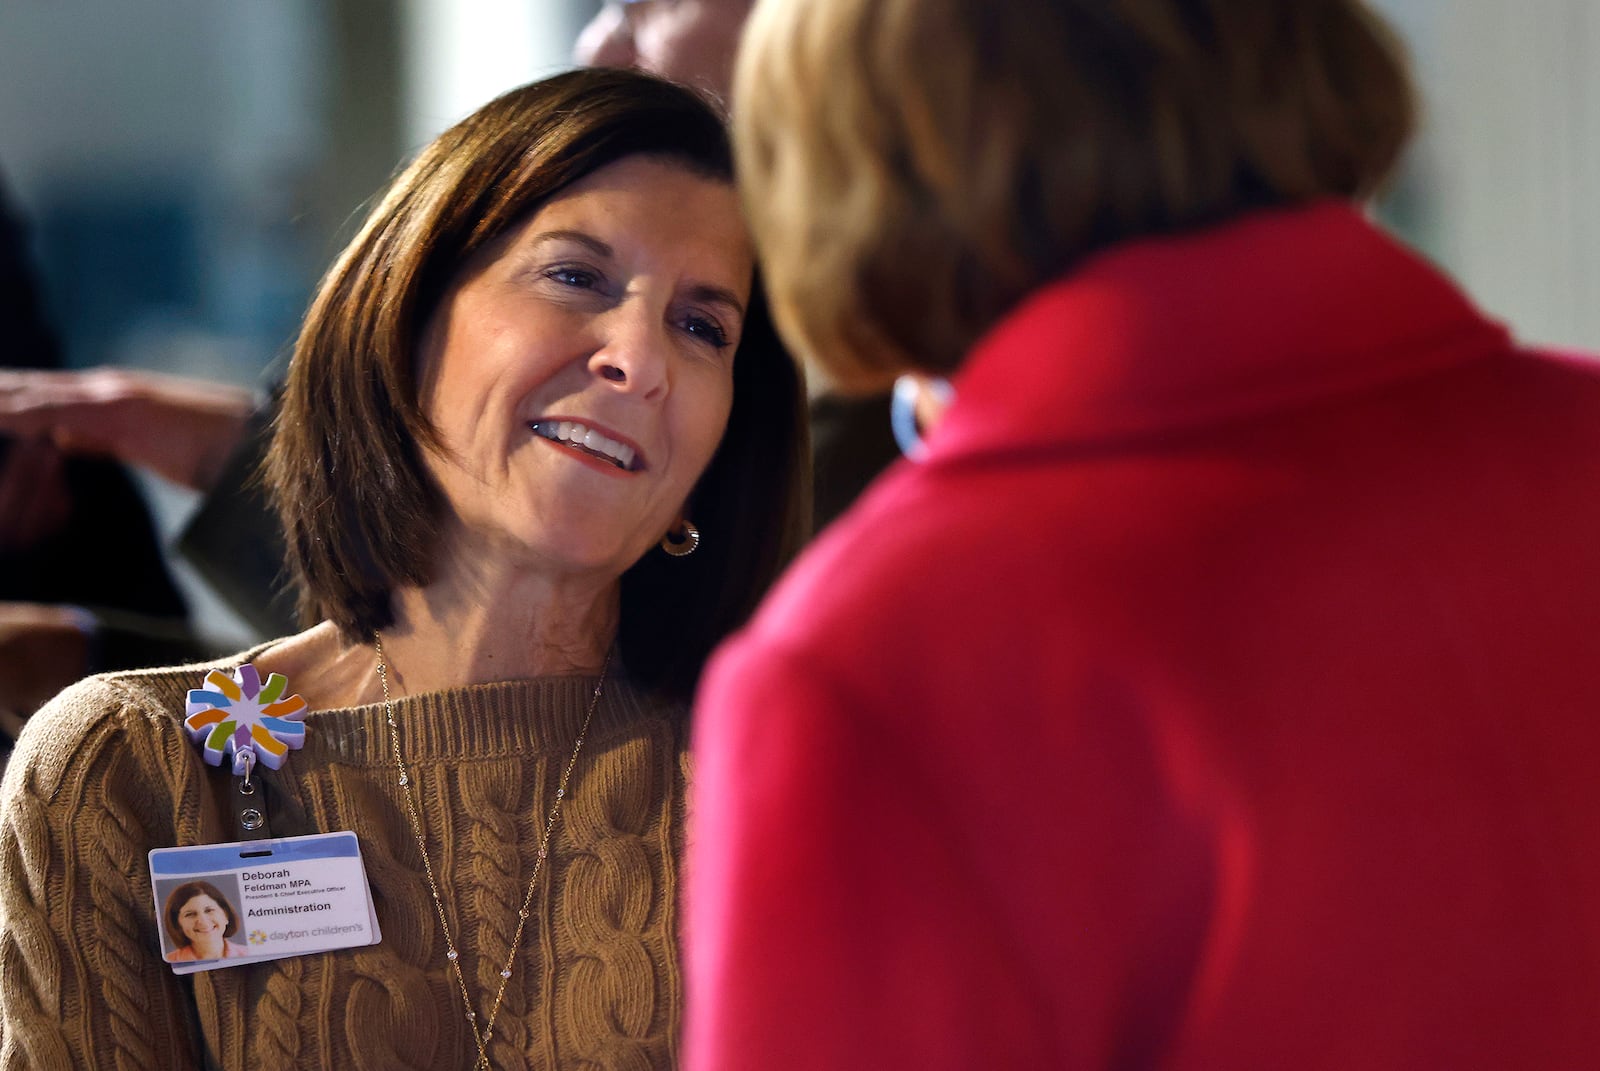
[[1222, 692]]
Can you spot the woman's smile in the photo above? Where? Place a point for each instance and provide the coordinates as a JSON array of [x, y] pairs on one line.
[[202, 917], [586, 440]]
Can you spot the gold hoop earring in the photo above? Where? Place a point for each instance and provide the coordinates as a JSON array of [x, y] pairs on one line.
[[688, 538]]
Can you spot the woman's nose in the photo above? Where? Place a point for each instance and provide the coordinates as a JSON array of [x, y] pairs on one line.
[[634, 354]]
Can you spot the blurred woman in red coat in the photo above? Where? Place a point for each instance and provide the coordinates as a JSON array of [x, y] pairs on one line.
[[1220, 688]]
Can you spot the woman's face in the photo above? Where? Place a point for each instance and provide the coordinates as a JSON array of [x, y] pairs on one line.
[[580, 370], [202, 919]]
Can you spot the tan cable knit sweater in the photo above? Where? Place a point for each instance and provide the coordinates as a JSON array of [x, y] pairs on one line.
[[105, 772]]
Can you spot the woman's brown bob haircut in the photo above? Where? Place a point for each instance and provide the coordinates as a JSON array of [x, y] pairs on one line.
[[914, 167], [345, 465], [182, 895]]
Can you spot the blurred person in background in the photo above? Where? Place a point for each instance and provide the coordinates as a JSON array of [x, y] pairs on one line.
[[540, 449], [205, 436], [1219, 687], [688, 41], [83, 582]]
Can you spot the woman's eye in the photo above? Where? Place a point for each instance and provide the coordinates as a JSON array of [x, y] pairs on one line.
[[573, 277], [707, 329]]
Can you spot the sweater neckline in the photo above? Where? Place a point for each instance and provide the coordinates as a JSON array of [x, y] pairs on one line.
[[516, 717], [521, 717]]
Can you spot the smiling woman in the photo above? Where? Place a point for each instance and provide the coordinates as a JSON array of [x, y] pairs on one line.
[[590, 246], [580, 372], [200, 920], [545, 353]]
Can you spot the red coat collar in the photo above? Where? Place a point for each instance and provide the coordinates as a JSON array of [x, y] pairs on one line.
[[1275, 309]]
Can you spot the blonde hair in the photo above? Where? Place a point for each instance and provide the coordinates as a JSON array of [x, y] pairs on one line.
[[912, 168]]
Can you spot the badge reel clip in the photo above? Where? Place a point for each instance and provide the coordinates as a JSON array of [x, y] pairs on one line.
[[248, 722]]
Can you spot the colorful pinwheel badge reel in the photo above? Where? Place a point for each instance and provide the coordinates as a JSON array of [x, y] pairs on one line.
[[241, 719]]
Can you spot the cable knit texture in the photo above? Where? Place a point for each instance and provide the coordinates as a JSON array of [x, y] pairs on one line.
[[105, 773]]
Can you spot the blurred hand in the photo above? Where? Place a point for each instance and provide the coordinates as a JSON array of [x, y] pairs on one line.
[[181, 428], [42, 650], [34, 499]]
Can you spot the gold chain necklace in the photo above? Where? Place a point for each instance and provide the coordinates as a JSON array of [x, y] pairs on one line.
[[451, 953]]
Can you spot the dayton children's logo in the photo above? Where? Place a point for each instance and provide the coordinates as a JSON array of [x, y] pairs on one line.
[[258, 937], [239, 718]]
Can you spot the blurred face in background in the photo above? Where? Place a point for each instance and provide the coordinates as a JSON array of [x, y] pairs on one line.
[[689, 41]]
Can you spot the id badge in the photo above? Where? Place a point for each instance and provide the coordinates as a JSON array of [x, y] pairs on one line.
[[222, 905]]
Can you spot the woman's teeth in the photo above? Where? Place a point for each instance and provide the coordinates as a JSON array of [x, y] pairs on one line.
[[586, 439]]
